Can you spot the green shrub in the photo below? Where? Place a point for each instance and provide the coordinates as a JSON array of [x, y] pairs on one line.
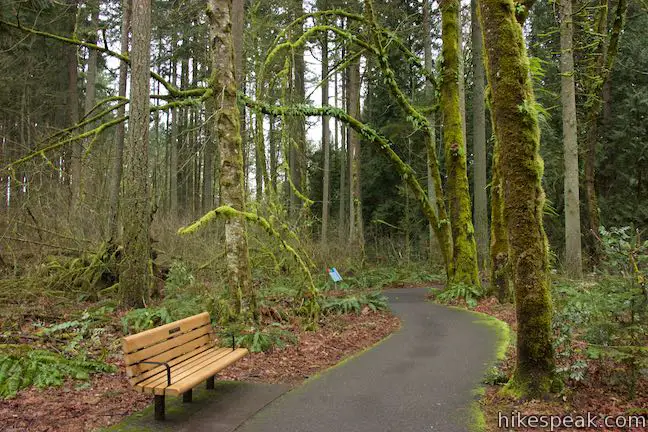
[[460, 291], [21, 367], [261, 340], [179, 277], [138, 320], [354, 304]]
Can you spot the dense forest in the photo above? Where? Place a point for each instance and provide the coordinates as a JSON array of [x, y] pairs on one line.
[[163, 158]]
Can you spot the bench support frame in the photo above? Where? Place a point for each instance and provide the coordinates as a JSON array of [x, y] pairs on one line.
[[209, 384], [187, 396], [159, 407]]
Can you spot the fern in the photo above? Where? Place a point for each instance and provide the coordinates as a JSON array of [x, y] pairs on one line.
[[354, 304], [266, 339], [469, 293], [20, 368], [139, 320]]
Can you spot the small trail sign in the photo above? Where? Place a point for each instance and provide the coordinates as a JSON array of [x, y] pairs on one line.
[[334, 274]]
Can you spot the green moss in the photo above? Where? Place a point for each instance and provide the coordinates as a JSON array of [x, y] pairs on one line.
[[464, 251], [176, 411], [519, 163]]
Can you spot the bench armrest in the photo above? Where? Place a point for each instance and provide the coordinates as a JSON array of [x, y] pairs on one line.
[[168, 369], [231, 333]]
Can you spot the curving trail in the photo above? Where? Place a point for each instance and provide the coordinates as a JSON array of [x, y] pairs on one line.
[[420, 379]]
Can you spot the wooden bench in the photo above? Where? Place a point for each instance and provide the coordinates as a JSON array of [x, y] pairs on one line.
[[174, 358]]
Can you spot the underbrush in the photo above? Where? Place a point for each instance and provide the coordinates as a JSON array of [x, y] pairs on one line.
[[74, 327], [600, 330]]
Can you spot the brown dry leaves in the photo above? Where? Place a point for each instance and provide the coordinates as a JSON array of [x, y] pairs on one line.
[[78, 406]]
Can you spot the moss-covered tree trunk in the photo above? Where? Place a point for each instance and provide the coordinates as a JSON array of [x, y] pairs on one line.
[[521, 169], [479, 141], [429, 90], [464, 249], [223, 85], [499, 249], [135, 274], [297, 127]]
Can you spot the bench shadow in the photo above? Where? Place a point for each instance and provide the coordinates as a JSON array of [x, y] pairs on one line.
[[220, 410]]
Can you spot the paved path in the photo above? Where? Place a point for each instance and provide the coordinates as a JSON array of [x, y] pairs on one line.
[[420, 379]]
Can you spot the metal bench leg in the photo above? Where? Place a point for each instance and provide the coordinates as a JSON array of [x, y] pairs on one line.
[[209, 385], [159, 407], [186, 396]]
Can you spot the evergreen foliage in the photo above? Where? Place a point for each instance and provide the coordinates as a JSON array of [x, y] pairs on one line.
[[21, 367]]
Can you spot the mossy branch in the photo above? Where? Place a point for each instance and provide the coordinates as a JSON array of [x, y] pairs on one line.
[[101, 128], [174, 92], [386, 147], [229, 212]]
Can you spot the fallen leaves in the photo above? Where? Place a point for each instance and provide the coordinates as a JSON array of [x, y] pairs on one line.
[[107, 398]]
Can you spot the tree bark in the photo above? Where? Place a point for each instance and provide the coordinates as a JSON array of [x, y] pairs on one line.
[[224, 86], [175, 142], [429, 89], [73, 115], [479, 142], [325, 142], [297, 129], [117, 161], [134, 277], [573, 261], [464, 248], [605, 58], [521, 168], [355, 202], [344, 153]]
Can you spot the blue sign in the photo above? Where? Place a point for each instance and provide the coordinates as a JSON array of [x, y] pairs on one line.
[[334, 274]]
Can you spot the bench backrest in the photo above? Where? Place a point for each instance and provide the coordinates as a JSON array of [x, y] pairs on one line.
[[165, 344]]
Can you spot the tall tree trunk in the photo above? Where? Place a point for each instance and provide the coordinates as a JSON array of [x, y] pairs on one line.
[[91, 74], [238, 25], [272, 141], [573, 261], [297, 123], [515, 120], [355, 203], [464, 247], [605, 57], [342, 232], [184, 153], [135, 276], [118, 157], [73, 115], [224, 87], [325, 141], [429, 89], [210, 151], [175, 142], [479, 141], [461, 75]]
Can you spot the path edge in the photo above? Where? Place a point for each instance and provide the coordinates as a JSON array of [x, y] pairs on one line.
[[476, 421]]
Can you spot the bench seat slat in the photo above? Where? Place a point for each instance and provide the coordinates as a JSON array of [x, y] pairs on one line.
[[208, 370], [178, 371], [204, 350], [171, 354]]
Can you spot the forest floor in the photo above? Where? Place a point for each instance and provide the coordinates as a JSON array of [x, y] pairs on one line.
[[598, 394], [105, 399]]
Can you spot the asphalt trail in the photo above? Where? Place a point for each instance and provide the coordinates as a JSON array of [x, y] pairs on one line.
[[420, 379]]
